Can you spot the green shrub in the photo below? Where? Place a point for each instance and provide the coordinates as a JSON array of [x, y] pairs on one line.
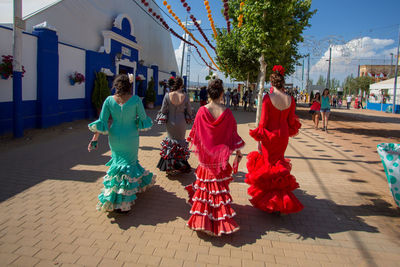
[[150, 92], [100, 91]]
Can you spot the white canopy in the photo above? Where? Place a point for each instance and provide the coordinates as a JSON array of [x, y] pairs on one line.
[[387, 84]]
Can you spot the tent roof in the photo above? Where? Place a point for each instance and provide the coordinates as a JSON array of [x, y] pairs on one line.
[[29, 8], [387, 84]]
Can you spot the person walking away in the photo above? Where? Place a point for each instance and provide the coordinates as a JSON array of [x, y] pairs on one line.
[[214, 138], [334, 101], [203, 96], [315, 109], [235, 99], [269, 178], [228, 97], [325, 109], [348, 101], [126, 176], [176, 112], [249, 99], [245, 99]]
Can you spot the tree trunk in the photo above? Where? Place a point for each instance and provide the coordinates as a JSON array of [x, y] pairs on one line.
[[261, 81]]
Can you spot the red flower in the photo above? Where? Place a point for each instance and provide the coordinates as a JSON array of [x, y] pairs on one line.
[[280, 69]]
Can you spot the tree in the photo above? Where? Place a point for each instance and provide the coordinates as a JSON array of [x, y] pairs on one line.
[[363, 83], [321, 81], [100, 91], [352, 85], [269, 36], [150, 92]]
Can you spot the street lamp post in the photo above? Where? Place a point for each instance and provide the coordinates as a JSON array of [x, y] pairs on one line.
[[395, 75], [328, 78], [18, 26]]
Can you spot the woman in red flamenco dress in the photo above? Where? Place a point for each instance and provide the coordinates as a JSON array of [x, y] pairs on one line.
[[271, 183], [214, 138]]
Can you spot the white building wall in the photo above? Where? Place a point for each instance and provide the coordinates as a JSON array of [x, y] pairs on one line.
[[70, 60], [149, 74], [6, 38], [29, 61], [93, 16]]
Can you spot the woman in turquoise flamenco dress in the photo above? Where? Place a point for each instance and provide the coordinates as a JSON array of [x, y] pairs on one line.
[[125, 177]]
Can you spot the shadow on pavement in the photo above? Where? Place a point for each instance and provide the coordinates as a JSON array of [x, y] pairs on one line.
[[152, 207], [57, 159], [319, 219]]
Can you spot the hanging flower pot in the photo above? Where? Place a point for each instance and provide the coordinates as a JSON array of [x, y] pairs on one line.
[[4, 76], [76, 77]]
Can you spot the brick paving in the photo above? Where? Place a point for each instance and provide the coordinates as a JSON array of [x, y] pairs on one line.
[[50, 183]]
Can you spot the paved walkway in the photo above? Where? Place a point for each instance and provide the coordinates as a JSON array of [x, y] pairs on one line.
[[50, 183]]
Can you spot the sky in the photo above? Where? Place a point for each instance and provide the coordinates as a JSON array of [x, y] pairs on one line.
[[359, 31]]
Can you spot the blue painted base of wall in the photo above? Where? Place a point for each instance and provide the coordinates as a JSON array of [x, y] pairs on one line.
[[68, 110], [382, 107]]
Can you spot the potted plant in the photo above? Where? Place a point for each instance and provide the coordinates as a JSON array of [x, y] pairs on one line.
[[76, 77], [100, 91], [150, 94], [6, 67]]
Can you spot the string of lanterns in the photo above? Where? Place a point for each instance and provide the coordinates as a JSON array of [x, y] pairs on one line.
[[165, 24], [240, 18], [188, 32], [193, 18], [226, 15], [207, 5]]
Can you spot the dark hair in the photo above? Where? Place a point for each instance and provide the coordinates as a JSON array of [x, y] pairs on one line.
[[122, 85], [277, 80], [323, 92], [176, 84], [319, 96], [215, 89], [171, 82]]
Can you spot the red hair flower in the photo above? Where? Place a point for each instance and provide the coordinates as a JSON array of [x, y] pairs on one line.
[[280, 69]]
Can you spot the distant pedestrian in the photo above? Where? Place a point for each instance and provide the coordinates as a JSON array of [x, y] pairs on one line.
[[250, 99], [235, 99], [228, 97], [203, 96], [245, 99], [325, 109], [360, 105], [315, 109], [348, 101], [334, 101]]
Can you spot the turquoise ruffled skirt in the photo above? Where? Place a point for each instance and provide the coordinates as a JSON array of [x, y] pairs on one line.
[[390, 156], [121, 184]]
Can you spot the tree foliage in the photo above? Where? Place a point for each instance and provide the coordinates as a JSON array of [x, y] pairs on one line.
[[100, 90], [352, 85], [272, 28]]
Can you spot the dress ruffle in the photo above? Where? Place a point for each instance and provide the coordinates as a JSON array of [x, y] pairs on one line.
[[121, 184], [294, 126], [145, 124], [98, 126], [174, 155], [211, 211], [271, 186], [262, 134]]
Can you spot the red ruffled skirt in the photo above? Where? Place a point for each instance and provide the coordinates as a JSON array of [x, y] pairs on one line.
[[271, 185], [210, 198]]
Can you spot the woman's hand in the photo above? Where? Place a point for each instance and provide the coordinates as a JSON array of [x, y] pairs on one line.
[[93, 143]]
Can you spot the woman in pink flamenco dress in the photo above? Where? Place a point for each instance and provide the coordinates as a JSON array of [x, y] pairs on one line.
[[214, 138], [271, 183]]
